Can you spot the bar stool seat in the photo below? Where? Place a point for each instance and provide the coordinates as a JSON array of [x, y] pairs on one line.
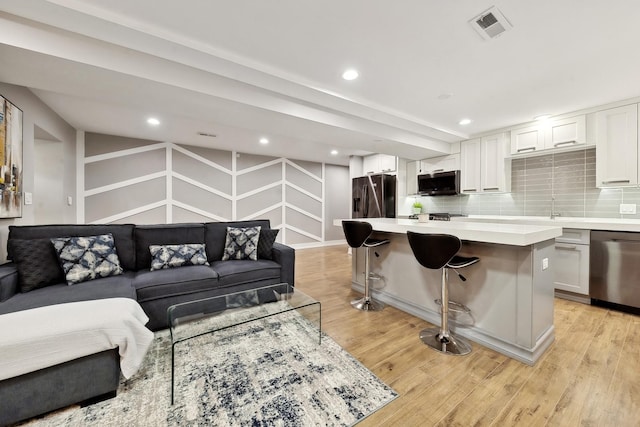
[[438, 251], [357, 234]]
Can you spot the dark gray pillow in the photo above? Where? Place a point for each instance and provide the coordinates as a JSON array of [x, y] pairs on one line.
[[266, 241], [37, 263]]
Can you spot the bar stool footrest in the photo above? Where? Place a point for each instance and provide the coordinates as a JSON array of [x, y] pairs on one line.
[[455, 306]]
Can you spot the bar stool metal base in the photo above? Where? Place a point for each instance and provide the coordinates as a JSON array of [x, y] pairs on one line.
[[365, 304], [450, 345]]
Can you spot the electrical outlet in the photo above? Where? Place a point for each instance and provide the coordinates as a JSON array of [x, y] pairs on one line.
[[545, 263], [627, 208], [28, 198]]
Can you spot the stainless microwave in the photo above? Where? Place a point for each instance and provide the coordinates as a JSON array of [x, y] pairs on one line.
[[439, 183]]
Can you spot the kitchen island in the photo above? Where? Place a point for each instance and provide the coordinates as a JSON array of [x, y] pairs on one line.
[[509, 292]]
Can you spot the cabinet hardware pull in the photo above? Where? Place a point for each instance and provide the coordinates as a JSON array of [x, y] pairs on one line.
[[491, 189], [616, 181], [557, 144], [520, 150], [438, 170], [470, 189], [563, 246], [625, 240]]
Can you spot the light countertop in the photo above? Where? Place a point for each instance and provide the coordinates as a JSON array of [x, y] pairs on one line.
[[612, 224], [479, 231]]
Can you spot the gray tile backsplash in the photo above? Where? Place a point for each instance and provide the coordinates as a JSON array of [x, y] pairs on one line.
[[570, 178]]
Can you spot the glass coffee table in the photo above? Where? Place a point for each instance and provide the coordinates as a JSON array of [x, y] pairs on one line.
[[193, 319]]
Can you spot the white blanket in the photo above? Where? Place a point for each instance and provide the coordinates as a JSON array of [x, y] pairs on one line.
[[46, 336]]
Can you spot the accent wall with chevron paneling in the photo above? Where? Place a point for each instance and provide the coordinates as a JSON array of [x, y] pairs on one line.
[[128, 180]]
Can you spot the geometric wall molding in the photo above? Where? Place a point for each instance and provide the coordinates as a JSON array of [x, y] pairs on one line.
[[167, 182]]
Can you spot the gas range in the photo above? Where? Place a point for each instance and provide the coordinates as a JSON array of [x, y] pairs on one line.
[[442, 216], [438, 216]]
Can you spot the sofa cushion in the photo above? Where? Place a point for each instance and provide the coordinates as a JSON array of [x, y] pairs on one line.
[[245, 271], [216, 234], [266, 241], [241, 243], [122, 235], [108, 287], [37, 263], [164, 234], [172, 256], [87, 258], [156, 284]]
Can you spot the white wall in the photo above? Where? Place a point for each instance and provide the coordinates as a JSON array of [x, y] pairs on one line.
[[48, 188], [37, 114]]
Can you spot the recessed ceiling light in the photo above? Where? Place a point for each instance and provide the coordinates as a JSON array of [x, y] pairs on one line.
[[334, 152], [464, 122], [264, 141], [350, 74], [542, 117], [153, 121]]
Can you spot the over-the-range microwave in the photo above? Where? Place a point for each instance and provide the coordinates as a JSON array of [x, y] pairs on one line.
[[439, 183]]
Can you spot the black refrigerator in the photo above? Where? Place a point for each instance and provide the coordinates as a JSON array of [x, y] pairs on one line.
[[373, 196]]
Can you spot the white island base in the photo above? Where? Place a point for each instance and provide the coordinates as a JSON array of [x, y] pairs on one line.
[[509, 292]]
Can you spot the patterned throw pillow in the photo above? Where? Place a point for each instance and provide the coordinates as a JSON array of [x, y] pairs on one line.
[[241, 243], [171, 256], [265, 243], [37, 263], [87, 258]]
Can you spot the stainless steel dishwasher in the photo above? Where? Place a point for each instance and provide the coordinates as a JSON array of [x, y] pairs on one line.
[[614, 270]]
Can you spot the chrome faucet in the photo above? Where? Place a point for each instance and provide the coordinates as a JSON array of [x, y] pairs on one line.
[[553, 208]]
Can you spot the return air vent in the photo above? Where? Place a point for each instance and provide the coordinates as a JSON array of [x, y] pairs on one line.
[[490, 23]]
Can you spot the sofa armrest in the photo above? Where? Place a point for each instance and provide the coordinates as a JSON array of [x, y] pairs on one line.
[[8, 281], [286, 257]]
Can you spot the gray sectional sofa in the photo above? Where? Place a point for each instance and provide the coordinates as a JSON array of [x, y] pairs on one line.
[[98, 375]]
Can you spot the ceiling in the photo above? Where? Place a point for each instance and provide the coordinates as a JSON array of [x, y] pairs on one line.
[[247, 69]]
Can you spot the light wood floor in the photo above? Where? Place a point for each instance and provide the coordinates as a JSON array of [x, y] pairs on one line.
[[590, 376]]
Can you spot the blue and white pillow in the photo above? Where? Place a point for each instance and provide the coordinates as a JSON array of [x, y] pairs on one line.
[[87, 258], [241, 243], [172, 256]]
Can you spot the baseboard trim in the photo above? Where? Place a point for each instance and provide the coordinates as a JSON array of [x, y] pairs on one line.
[[317, 244], [584, 299]]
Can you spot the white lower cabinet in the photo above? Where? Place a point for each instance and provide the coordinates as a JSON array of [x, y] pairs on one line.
[[571, 267]]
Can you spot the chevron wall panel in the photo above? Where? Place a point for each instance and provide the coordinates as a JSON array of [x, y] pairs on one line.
[[129, 180]]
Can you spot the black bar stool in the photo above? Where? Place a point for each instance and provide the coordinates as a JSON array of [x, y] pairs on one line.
[[438, 251], [357, 234]]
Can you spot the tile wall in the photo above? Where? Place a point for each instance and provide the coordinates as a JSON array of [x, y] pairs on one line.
[[568, 178]]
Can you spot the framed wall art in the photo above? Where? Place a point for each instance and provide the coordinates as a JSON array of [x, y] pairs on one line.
[[10, 159]]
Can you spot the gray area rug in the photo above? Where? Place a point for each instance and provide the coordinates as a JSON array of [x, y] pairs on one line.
[[270, 372]]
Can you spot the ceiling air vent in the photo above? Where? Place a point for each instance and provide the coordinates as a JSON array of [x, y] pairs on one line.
[[490, 23]]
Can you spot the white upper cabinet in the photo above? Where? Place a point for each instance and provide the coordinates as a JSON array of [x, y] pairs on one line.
[[527, 140], [553, 134], [485, 164], [470, 166], [450, 162], [566, 132], [495, 167], [617, 146], [412, 177], [377, 163]]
